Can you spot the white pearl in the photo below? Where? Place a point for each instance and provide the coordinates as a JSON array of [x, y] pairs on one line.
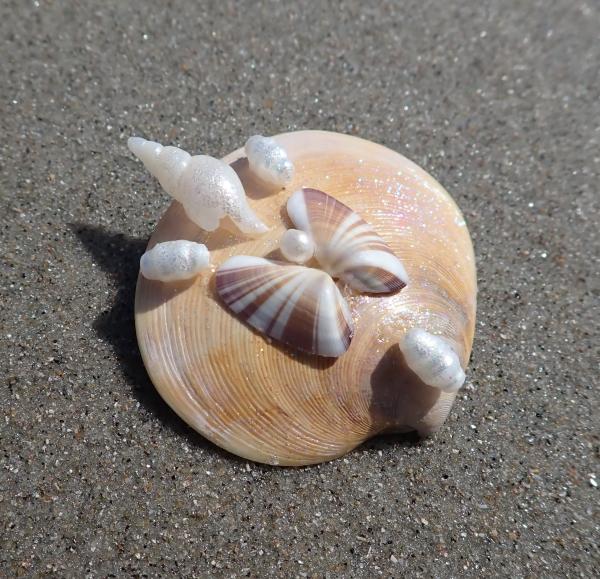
[[297, 246]]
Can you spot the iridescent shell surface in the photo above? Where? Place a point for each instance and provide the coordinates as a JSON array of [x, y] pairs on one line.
[[271, 403]]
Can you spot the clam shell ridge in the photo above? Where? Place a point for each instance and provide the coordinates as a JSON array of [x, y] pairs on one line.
[[296, 305], [346, 245], [271, 403]]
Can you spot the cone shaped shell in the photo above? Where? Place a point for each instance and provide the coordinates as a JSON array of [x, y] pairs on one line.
[[271, 403]]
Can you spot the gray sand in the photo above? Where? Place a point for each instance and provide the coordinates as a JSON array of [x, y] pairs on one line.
[[500, 101]]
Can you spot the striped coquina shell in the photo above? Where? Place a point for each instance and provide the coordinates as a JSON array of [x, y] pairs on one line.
[[296, 305], [346, 246]]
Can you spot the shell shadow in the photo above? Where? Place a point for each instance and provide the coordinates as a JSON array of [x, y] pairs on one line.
[[255, 188], [227, 235], [289, 224], [396, 388], [158, 293], [391, 440], [276, 255], [213, 242], [118, 256]]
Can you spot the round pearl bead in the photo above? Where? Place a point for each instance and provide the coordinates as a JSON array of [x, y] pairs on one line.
[[297, 246]]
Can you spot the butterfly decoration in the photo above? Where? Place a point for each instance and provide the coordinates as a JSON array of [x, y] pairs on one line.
[[302, 306]]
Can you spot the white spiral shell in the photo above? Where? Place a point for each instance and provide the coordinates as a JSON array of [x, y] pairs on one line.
[[174, 260], [433, 360], [269, 160], [207, 188]]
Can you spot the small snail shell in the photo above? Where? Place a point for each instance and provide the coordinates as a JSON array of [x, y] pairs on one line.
[[432, 358], [207, 188], [296, 246], [269, 161], [174, 260], [272, 403]]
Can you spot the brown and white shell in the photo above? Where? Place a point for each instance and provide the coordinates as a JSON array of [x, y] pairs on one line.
[[346, 246], [299, 306], [272, 403]]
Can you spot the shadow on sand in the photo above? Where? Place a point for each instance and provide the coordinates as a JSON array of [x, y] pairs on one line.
[[119, 256]]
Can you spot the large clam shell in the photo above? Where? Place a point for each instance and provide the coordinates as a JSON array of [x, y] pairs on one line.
[[272, 403]]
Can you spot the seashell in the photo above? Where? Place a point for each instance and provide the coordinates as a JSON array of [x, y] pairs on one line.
[[433, 360], [296, 305], [269, 161], [174, 260], [346, 246], [207, 188], [271, 403], [296, 246]]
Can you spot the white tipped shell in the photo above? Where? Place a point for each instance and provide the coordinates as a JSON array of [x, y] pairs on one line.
[[145, 151], [296, 246], [174, 260], [269, 160], [433, 360], [207, 188], [346, 246], [297, 305], [210, 190]]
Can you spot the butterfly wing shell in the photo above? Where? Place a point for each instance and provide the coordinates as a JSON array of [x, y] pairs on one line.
[[346, 246], [296, 305]]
